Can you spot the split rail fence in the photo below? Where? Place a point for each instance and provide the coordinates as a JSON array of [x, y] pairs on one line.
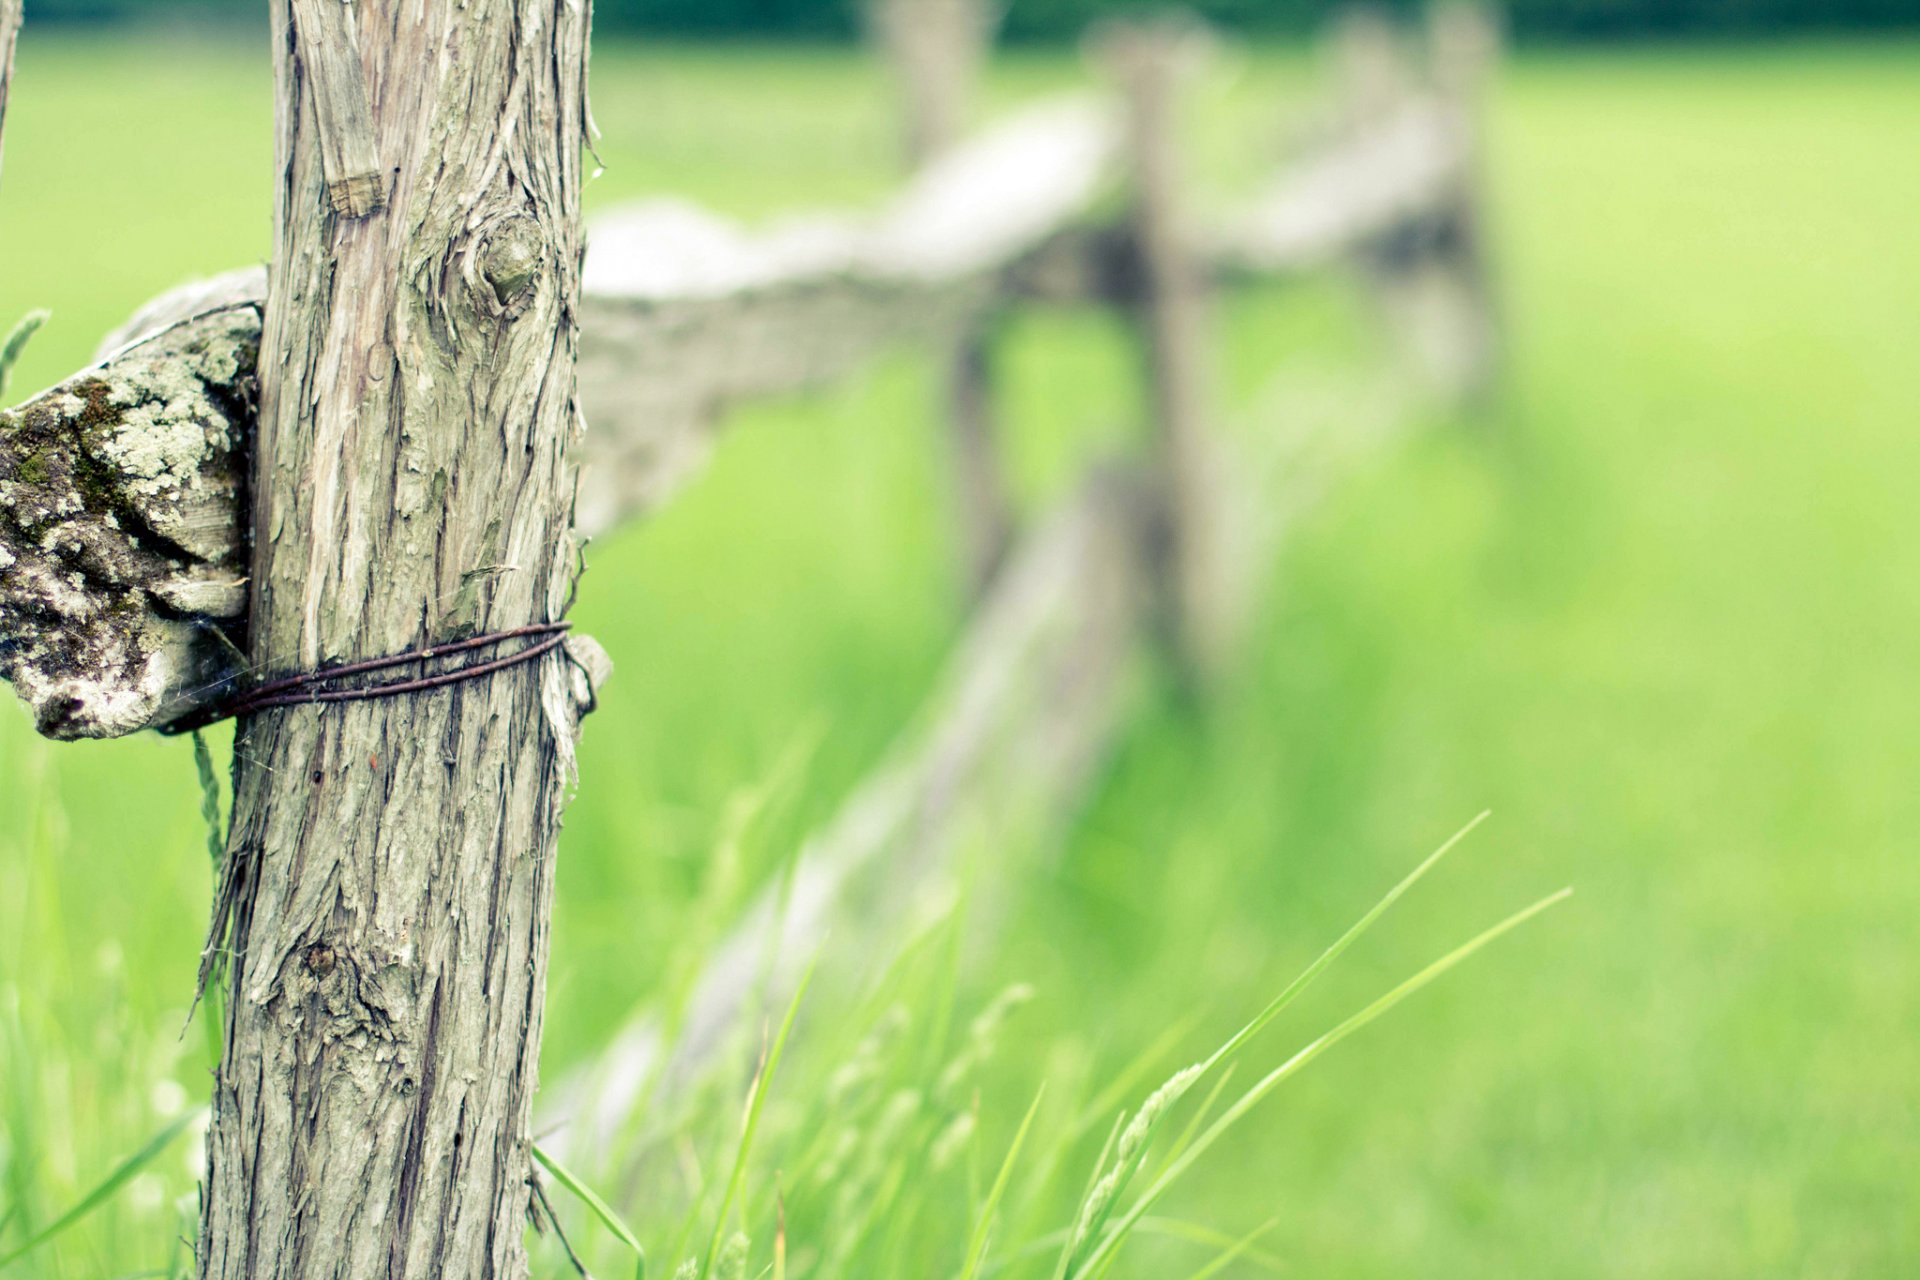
[[124, 550]]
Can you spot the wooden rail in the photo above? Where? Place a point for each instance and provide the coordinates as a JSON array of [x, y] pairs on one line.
[[685, 314], [1036, 693]]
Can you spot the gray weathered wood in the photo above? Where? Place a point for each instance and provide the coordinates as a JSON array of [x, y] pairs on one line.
[[694, 315], [390, 868], [936, 48], [1464, 38], [1385, 176], [9, 32], [1173, 318], [689, 314]]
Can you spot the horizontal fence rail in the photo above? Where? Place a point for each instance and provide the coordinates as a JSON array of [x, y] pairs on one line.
[[685, 315], [1036, 693]]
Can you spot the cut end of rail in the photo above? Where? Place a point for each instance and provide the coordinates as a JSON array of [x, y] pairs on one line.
[[359, 196]]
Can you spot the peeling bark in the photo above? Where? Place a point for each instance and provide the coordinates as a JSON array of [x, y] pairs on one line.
[[390, 869]]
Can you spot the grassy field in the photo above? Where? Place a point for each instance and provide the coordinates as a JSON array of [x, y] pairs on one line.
[[1657, 614]]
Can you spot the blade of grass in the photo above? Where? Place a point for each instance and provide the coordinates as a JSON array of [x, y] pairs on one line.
[[1201, 1113], [1086, 1193], [1137, 1143], [780, 1237], [1332, 953], [104, 1192], [1123, 1085], [16, 342], [600, 1208], [977, 1247], [1117, 1234], [756, 1100], [1233, 1252]]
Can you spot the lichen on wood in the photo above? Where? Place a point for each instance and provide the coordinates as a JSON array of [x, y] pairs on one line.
[[122, 565]]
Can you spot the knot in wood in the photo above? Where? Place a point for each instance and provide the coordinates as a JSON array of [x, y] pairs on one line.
[[510, 259], [321, 959]]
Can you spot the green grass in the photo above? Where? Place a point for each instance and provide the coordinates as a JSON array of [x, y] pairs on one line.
[[1658, 616]]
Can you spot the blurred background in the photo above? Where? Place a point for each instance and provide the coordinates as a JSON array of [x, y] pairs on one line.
[[1654, 607]]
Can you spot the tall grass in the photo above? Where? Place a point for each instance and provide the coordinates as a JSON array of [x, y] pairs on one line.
[[878, 1159]]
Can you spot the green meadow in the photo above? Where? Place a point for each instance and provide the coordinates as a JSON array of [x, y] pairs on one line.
[[1656, 610]]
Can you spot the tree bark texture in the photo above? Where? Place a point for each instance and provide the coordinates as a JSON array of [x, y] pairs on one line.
[[390, 868]]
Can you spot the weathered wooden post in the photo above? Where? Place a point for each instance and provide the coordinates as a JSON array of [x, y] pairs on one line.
[[1375, 80], [1429, 276], [390, 869], [1464, 41], [1171, 299], [936, 48]]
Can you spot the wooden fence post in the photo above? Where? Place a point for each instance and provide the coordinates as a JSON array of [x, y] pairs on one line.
[[1375, 74], [1173, 317], [936, 48], [390, 868], [1429, 276], [1464, 40]]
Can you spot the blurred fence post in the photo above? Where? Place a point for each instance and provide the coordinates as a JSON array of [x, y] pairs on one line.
[[1464, 43], [1171, 302], [1373, 66], [936, 48], [9, 30], [1428, 275]]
